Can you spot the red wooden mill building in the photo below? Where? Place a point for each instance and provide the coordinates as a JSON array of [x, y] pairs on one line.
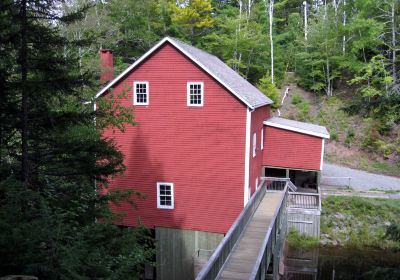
[[204, 136]]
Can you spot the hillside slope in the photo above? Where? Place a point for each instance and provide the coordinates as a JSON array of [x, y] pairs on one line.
[[354, 141]]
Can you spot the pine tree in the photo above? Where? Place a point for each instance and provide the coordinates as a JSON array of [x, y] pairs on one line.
[[54, 214]]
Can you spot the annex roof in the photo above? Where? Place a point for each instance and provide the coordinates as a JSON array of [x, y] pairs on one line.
[[301, 127], [225, 75]]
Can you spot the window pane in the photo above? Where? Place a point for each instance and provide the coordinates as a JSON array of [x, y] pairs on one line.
[[141, 93], [195, 96]]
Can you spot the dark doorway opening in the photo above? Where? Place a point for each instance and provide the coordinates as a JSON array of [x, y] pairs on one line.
[[275, 172]]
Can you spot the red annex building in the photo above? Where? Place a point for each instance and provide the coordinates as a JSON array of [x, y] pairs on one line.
[[204, 136]]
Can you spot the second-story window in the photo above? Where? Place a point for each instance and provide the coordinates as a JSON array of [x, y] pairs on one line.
[[195, 94], [141, 93]]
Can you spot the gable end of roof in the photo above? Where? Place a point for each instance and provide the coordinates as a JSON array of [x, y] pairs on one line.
[[217, 69]]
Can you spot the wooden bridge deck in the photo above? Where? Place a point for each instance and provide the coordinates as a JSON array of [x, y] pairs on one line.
[[240, 263]]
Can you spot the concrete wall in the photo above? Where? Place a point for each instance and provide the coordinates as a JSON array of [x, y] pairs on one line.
[[177, 248]]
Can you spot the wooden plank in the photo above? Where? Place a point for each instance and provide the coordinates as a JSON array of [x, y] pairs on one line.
[[241, 261]]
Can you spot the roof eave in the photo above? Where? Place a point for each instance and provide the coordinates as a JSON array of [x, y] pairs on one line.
[[299, 130], [263, 104]]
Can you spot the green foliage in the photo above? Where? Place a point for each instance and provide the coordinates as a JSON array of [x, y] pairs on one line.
[[302, 105], [266, 86], [193, 15], [55, 216], [334, 135], [349, 137], [393, 232], [299, 241], [296, 99], [359, 222], [375, 75]]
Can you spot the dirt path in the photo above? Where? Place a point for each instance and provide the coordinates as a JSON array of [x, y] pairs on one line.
[[360, 180]]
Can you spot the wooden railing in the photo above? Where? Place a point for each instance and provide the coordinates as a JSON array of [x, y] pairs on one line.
[[279, 184], [221, 253], [304, 200], [273, 240], [276, 229]]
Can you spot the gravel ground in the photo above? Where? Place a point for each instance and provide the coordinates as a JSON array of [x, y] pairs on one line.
[[360, 180]]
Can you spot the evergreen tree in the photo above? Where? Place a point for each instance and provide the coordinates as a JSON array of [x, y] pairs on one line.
[[54, 214]]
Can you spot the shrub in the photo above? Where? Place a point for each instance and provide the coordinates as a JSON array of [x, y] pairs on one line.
[[304, 109], [393, 232], [266, 86], [334, 135], [296, 99], [349, 137]]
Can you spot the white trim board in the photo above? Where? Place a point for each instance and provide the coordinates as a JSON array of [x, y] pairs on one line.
[[154, 48], [322, 154], [295, 129], [247, 158]]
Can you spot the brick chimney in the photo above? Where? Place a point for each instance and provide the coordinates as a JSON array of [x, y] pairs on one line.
[[107, 65]]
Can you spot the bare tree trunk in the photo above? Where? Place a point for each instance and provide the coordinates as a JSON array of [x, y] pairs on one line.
[[305, 20], [394, 74], [249, 7], [23, 58], [236, 56], [270, 8], [328, 78], [344, 25]]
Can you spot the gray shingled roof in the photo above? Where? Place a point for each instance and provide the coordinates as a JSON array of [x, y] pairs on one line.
[[235, 83], [298, 126], [227, 75]]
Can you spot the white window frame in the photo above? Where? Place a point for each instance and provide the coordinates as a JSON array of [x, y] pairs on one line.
[[135, 93], [188, 94], [158, 196], [254, 144], [262, 138]]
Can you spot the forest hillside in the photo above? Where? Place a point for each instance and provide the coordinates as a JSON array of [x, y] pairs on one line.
[[340, 58], [344, 52]]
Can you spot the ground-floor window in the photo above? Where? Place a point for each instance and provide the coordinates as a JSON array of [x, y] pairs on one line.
[[165, 195]]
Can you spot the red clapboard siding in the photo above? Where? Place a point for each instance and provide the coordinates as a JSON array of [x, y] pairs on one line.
[[284, 148], [257, 118], [199, 149]]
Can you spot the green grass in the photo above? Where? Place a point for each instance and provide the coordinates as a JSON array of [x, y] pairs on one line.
[[360, 222], [385, 191], [299, 241]]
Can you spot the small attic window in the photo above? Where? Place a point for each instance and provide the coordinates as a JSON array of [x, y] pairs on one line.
[[195, 94], [141, 93]]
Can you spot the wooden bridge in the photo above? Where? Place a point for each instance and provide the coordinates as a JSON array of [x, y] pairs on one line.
[[255, 238], [252, 247]]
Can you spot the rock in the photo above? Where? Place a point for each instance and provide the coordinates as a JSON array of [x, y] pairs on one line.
[[340, 216], [323, 242], [335, 229], [335, 243], [325, 235]]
